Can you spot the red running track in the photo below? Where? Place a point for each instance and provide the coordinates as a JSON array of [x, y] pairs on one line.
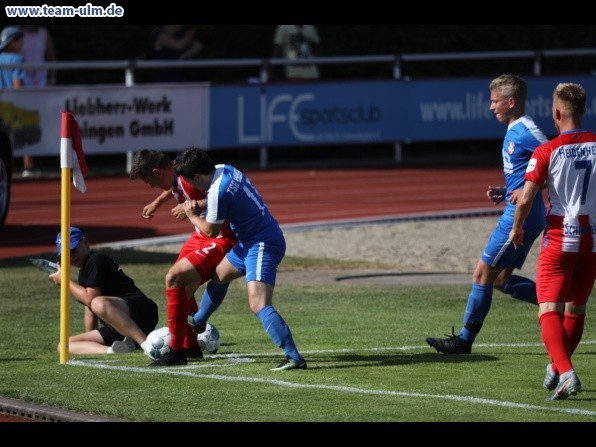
[[110, 210]]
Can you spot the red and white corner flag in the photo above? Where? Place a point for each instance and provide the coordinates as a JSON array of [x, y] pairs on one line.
[[70, 138]]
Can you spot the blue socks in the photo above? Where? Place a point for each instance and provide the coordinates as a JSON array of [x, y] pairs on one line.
[[521, 288], [274, 324], [479, 303], [212, 298], [278, 331], [481, 298]]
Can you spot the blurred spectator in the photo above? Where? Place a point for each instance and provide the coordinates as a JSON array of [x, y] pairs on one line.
[[37, 47], [295, 42], [174, 42], [11, 42]]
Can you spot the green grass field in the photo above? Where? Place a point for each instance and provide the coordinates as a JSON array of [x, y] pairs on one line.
[[365, 348]]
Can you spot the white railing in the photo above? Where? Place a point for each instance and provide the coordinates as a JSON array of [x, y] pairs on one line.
[[396, 61], [263, 66]]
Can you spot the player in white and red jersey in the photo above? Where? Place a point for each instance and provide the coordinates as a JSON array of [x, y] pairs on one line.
[[566, 273], [196, 260]]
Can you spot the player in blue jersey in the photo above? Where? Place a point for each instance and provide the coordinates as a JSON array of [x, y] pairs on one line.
[[508, 94], [261, 243]]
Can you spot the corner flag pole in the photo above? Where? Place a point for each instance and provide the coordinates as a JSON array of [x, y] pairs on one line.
[[72, 159], [64, 260]]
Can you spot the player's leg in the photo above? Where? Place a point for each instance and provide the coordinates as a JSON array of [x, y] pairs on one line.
[[215, 291], [573, 324], [259, 298], [191, 290], [493, 260], [498, 258], [191, 345], [477, 307], [231, 266], [582, 283], [180, 275], [212, 297], [261, 264], [555, 341], [519, 287], [479, 301], [184, 277], [554, 285]]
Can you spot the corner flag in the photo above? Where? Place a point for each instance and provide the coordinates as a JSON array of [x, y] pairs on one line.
[[72, 158], [71, 139]]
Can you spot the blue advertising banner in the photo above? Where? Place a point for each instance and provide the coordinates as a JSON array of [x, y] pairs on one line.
[[310, 113], [373, 111]]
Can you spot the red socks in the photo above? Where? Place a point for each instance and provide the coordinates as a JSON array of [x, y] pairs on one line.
[[555, 340], [177, 312], [574, 328]]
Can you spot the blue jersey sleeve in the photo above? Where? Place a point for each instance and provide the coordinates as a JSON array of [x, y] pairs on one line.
[[522, 137], [233, 197]]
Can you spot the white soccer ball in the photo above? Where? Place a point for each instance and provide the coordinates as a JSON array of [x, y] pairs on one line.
[[209, 339], [157, 343]]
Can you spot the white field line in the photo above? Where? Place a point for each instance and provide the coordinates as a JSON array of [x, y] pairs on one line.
[[189, 371]]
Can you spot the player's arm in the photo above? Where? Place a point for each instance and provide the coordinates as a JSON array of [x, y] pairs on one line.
[[151, 208], [209, 229], [522, 209], [496, 194], [515, 195], [195, 211], [180, 213]]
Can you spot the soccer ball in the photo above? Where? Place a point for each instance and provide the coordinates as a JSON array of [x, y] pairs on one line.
[[209, 339], [157, 343]]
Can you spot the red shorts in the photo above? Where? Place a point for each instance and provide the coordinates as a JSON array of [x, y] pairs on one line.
[[205, 253], [565, 277]]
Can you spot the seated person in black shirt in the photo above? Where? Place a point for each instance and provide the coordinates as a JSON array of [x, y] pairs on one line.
[[110, 297]]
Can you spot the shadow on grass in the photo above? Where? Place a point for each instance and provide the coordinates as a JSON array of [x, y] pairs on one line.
[[395, 274], [353, 360], [395, 359], [124, 256], [16, 359]]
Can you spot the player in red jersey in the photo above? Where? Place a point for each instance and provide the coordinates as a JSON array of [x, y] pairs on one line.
[[566, 273], [196, 261]]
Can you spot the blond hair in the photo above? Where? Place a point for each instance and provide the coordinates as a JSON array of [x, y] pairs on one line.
[[570, 99], [511, 86]]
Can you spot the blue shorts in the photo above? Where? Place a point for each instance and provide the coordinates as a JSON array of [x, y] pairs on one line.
[[500, 252], [259, 261]]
